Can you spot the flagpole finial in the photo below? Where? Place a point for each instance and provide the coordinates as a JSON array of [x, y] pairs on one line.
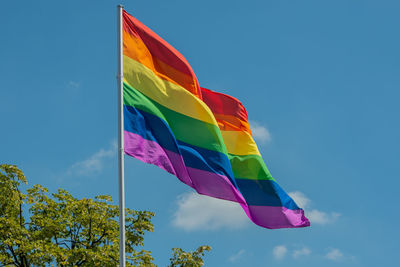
[[120, 6]]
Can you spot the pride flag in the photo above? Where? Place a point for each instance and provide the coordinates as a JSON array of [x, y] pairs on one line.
[[200, 136]]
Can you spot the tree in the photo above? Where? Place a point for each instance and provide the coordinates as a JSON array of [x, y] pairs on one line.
[[39, 229], [188, 259]]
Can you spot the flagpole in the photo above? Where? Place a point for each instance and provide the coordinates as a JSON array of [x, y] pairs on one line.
[[121, 143]]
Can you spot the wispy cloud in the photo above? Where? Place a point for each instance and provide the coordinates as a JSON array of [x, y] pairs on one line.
[[198, 212], [73, 84], [300, 199], [314, 215], [260, 132], [321, 217], [93, 164], [334, 254], [235, 257], [305, 251], [279, 252]]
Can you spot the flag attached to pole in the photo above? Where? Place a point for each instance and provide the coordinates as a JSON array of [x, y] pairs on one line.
[[200, 136]]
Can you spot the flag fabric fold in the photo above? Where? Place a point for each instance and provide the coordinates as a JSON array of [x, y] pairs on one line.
[[200, 136]]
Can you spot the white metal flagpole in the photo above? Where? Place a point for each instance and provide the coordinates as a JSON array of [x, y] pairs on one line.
[[121, 143]]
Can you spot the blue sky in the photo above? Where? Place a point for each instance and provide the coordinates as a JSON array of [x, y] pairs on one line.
[[320, 81]]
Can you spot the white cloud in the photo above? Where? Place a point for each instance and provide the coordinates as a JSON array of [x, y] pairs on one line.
[[259, 132], [321, 217], [279, 252], [73, 84], [305, 251], [300, 199], [334, 254], [235, 257], [95, 163], [198, 212], [315, 216]]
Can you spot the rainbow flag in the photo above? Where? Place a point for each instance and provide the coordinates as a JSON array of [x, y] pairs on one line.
[[200, 136]]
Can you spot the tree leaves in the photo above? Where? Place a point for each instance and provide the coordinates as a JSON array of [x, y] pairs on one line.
[[188, 259], [67, 231]]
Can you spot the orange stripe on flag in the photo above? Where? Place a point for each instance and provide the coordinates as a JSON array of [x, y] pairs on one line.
[[161, 50], [137, 50]]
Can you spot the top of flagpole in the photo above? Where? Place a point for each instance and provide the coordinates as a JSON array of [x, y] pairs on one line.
[[120, 6]]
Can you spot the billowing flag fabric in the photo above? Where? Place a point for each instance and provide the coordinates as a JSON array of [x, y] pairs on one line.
[[200, 136]]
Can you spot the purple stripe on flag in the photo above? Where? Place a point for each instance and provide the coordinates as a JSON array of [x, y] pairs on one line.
[[276, 217], [204, 182], [214, 185], [151, 152]]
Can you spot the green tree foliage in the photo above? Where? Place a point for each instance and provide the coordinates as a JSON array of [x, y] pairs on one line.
[[58, 229], [188, 259]]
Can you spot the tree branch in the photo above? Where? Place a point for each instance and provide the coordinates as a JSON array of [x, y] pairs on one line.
[[16, 261]]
